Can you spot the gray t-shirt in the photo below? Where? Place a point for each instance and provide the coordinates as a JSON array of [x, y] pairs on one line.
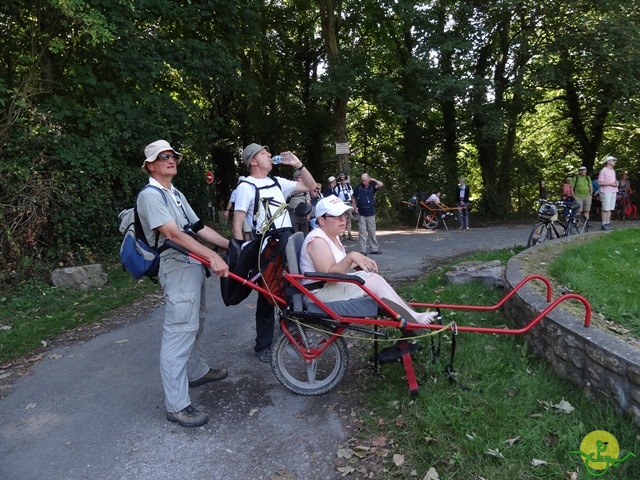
[[154, 212]]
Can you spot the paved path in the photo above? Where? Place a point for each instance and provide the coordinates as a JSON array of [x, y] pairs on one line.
[[95, 411]]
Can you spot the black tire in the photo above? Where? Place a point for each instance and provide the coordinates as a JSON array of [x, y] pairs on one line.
[[540, 233], [582, 224], [322, 374], [572, 228], [430, 220]]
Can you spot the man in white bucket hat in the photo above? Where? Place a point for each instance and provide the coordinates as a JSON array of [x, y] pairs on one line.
[[164, 211]]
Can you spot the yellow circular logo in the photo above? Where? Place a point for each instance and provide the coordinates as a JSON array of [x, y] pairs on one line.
[[600, 448]]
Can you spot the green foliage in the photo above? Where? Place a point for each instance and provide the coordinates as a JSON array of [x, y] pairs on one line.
[[505, 93]]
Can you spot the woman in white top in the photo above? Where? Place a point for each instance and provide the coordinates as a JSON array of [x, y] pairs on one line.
[[322, 252]]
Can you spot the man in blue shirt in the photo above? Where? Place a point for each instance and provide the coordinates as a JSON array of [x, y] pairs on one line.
[[364, 202]]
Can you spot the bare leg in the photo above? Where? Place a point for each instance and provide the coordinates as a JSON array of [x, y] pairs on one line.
[[382, 289]]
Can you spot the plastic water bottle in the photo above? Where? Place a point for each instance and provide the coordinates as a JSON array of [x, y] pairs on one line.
[[277, 159]]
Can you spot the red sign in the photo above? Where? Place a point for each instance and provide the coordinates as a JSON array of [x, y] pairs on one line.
[[209, 176]]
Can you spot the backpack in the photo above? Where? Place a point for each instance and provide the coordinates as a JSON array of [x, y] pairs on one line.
[[136, 255], [256, 201]]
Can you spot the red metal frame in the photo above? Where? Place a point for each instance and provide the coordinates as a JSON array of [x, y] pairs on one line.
[[397, 321]]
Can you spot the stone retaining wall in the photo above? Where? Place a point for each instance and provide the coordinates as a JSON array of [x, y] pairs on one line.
[[603, 365]]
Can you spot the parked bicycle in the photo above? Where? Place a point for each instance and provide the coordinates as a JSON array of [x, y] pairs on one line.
[[550, 226]]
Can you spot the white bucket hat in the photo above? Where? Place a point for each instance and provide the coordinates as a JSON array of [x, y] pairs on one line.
[[152, 151]]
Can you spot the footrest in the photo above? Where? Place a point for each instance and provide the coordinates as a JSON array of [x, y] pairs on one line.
[[395, 352]]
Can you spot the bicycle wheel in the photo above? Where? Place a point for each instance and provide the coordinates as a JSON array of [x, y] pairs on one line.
[[582, 224], [572, 228], [309, 377], [540, 233], [430, 220]]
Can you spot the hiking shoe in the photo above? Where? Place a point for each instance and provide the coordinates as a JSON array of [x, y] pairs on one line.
[[377, 252], [608, 226], [264, 355], [188, 417], [210, 376]]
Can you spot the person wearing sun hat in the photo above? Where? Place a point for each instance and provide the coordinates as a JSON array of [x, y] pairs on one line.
[[583, 190], [164, 213], [332, 188], [323, 252], [257, 159], [608, 190]]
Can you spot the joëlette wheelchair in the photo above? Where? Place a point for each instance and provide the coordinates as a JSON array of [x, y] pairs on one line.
[[310, 356], [431, 215]]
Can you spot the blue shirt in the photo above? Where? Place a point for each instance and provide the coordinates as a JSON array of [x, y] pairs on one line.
[[365, 200]]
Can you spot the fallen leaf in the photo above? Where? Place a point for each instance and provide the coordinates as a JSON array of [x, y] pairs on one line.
[[31, 405], [346, 470], [538, 463], [431, 475], [494, 453], [121, 341], [54, 356], [564, 406], [550, 439], [572, 475], [398, 459], [471, 437], [43, 342], [5, 327], [253, 411], [379, 442], [430, 439], [512, 441], [344, 453]]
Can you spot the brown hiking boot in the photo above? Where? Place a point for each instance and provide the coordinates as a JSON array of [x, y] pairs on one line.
[[210, 376], [188, 417]]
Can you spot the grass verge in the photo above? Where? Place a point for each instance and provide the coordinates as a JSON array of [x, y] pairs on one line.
[[36, 312], [509, 416], [606, 270]]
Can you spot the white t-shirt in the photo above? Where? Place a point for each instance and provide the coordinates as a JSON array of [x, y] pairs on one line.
[[345, 192], [270, 195], [433, 198]]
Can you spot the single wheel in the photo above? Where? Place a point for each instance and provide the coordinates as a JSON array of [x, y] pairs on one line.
[[572, 228], [540, 233], [430, 220], [312, 377], [582, 224]]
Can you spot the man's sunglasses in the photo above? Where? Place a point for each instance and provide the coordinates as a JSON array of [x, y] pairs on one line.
[[164, 157]]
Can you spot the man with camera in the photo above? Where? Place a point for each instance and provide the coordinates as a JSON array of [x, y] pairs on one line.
[[164, 212]]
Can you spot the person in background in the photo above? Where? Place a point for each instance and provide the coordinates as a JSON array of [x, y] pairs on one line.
[[300, 224], [257, 159], [315, 196], [608, 190], [364, 204], [182, 362], [345, 192], [583, 190], [433, 201], [332, 188], [322, 252], [624, 192], [462, 196], [567, 194]]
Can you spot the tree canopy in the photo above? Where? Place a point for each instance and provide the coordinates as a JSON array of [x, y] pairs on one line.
[[505, 92]]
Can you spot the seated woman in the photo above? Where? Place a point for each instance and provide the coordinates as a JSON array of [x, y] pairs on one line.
[[434, 200], [322, 252]]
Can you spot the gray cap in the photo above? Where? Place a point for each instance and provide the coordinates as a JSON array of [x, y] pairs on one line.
[[250, 151]]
